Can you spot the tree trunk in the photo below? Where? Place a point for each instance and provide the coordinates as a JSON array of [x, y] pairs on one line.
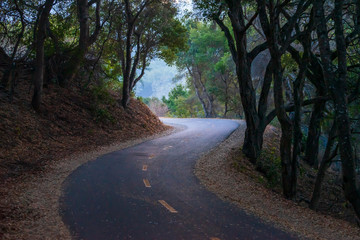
[[198, 93], [126, 72], [312, 143], [85, 40], [126, 94], [314, 132], [9, 74], [251, 147], [38, 76], [287, 164], [325, 164], [209, 106]]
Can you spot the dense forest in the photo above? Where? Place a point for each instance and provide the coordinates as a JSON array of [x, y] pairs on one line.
[[290, 63]]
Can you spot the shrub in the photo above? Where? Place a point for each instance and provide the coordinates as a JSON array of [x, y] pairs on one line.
[[103, 115], [269, 164], [102, 95]]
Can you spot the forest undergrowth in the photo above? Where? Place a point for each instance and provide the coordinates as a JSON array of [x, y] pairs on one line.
[[267, 172]]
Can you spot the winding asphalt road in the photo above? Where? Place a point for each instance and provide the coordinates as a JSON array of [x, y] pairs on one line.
[[149, 191]]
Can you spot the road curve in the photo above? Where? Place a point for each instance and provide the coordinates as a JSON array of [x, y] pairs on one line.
[[149, 191]]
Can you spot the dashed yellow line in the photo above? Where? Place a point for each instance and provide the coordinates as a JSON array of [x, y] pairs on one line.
[[145, 167], [151, 156], [167, 206], [146, 182], [167, 147]]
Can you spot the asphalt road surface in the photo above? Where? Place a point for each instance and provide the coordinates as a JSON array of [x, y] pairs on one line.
[[149, 191]]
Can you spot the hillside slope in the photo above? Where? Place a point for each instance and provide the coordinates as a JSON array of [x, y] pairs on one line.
[[70, 121]]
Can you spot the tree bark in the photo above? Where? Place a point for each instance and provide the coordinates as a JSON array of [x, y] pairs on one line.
[[325, 164], [314, 131], [38, 76], [251, 146], [201, 92], [128, 65], [9, 73], [315, 76], [85, 40]]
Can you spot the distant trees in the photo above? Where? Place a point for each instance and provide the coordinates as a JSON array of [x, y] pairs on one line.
[[209, 70], [156, 106], [178, 102]]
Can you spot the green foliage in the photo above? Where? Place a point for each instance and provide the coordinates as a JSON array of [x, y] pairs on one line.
[[173, 40], [102, 96], [102, 99], [176, 102], [269, 164], [143, 100], [102, 115]]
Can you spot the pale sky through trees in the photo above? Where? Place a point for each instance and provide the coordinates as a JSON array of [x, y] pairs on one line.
[[157, 81]]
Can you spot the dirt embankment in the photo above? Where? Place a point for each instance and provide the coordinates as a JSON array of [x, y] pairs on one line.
[[34, 145]]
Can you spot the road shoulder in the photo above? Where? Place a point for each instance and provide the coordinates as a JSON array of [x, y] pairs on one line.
[[216, 172]]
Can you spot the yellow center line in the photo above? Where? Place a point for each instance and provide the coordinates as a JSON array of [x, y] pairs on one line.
[[146, 182], [144, 168], [167, 206], [167, 147], [151, 156]]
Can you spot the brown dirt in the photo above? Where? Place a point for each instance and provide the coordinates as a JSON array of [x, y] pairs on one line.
[[226, 172], [39, 148]]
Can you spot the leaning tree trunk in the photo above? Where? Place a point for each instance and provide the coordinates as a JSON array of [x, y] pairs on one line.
[[38, 76], [199, 96], [209, 106]]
